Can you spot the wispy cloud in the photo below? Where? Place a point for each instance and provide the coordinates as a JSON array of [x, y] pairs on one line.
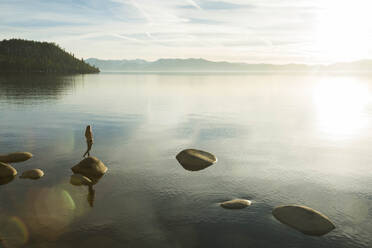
[[141, 10], [234, 30], [220, 5], [193, 4]]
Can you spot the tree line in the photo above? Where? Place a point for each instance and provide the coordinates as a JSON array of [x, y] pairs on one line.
[[18, 55]]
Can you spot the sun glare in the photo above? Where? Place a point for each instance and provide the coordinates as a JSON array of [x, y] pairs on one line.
[[340, 104], [342, 31]]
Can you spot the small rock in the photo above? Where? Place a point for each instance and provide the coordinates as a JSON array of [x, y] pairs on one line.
[[32, 174], [195, 160], [304, 219], [6, 170], [90, 167], [15, 157], [77, 179], [236, 204]]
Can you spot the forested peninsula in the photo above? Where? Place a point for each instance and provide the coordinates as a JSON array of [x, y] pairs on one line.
[[25, 56]]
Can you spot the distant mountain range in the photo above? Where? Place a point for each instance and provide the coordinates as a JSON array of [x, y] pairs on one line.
[[183, 65]]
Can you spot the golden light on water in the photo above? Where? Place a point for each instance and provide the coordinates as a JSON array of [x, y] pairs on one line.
[[340, 104]]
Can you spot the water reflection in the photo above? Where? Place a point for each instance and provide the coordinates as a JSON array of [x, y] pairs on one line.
[[91, 192], [34, 88], [88, 172], [91, 195], [340, 105]]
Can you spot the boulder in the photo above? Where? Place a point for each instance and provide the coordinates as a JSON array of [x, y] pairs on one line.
[[15, 157], [236, 204], [195, 160], [304, 219], [78, 179], [32, 174], [90, 167], [6, 170]]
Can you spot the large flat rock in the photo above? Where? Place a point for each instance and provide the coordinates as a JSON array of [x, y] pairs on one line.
[[15, 157], [195, 160], [90, 167], [304, 219]]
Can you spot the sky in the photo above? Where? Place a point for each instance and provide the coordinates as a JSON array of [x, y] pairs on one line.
[[251, 31]]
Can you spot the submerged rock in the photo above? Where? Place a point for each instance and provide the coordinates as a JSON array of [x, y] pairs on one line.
[[6, 170], [236, 204], [195, 160], [5, 180], [15, 157], [90, 167], [78, 179], [304, 219], [32, 174]]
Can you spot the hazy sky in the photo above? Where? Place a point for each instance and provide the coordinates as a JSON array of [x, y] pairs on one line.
[[255, 31]]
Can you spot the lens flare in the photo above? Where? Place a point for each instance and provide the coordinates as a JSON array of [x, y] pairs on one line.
[[68, 200], [14, 232], [49, 212]]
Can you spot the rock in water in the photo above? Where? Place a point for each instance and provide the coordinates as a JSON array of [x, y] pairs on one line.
[[304, 219], [15, 157], [77, 179], [32, 174], [236, 204], [195, 160], [90, 167], [6, 170], [5, 180]]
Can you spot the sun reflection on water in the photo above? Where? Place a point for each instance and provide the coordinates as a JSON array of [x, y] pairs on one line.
[[340, 105]]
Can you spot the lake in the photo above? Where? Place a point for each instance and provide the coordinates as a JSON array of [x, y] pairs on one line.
[[280, 138]]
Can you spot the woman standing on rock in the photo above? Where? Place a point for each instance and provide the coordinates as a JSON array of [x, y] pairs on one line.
[[89, 138]]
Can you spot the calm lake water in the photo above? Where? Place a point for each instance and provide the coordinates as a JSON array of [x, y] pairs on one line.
[[279, 139]]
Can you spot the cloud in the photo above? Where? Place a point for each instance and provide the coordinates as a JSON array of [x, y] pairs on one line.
[[193, 4], [220, 5], [44, 23], [203, 21], [233, 30], [215, 5]]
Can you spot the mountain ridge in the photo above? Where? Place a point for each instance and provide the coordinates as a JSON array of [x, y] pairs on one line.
[[199, 64]]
